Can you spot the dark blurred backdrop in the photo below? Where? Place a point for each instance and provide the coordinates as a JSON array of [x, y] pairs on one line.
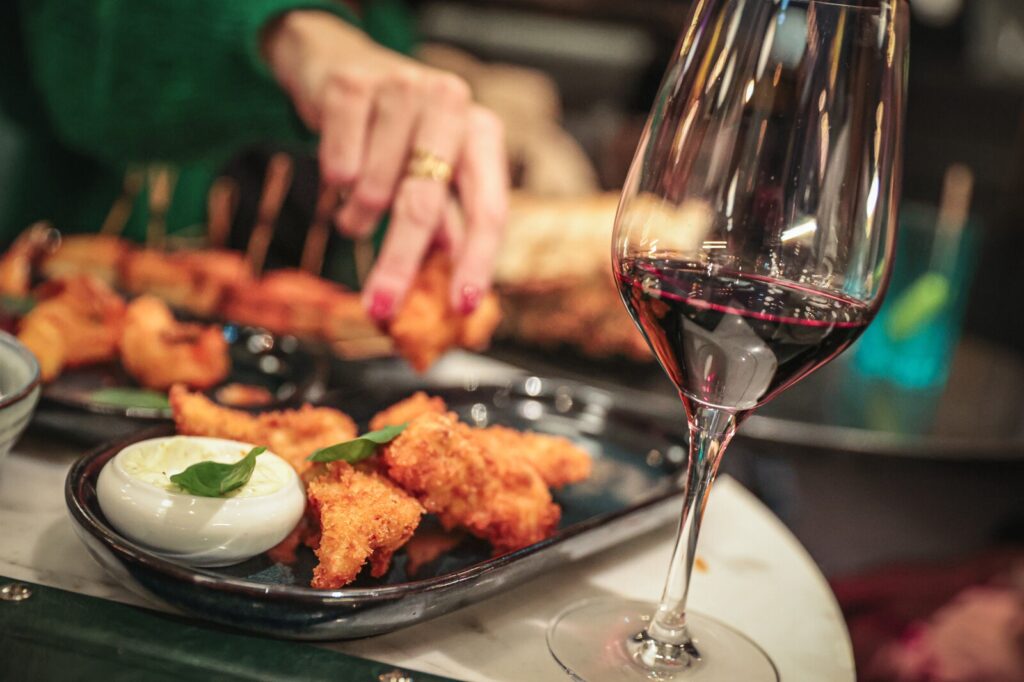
[[966, 101]]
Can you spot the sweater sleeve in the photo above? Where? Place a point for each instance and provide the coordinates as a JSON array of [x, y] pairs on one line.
[[167, 80]]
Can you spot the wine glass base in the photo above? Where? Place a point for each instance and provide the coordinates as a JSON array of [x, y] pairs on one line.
[[600, 640]]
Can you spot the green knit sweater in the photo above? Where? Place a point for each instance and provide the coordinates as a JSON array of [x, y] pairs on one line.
[[88, 87]]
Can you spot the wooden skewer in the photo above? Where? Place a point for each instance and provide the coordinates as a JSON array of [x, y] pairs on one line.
[[220, 211], [161, 180], [275, 188], [361, 348], [121, 210], [319, 232]]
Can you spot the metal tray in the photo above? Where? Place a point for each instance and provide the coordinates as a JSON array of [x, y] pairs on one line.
[[634, 489]]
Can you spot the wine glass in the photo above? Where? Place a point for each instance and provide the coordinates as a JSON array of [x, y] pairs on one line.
[[753, 244]]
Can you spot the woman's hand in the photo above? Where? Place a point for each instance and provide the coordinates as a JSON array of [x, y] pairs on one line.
[[377, 110]]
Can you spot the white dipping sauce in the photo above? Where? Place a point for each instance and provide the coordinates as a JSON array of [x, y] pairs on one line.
[[137, 497]]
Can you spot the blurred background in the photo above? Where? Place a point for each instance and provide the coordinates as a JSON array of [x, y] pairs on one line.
[[900, 466]]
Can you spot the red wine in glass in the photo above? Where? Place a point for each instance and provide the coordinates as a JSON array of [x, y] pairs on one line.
[[752, 245], [730, 339]]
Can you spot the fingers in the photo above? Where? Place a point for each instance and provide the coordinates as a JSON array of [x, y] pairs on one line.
[[345, 119], [395, 114], [483, 190], [421, 202]]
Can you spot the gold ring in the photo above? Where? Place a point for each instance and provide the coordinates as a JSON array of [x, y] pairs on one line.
[[426, 164]]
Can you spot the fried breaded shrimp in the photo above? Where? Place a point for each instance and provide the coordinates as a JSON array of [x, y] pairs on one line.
[[98, 255], [17, 263], [406, 410], [196, 281], [77, 322], [158, 351], [496, 497], [292, 434], [558, 460], [426, 326], [44, 338], [363, 516], [427, 545]]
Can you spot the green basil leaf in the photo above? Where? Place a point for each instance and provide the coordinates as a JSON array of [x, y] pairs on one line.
[[215, 479], [358, 449], [131, 397]]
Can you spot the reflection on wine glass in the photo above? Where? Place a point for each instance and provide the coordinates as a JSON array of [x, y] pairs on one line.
[[753, 244]]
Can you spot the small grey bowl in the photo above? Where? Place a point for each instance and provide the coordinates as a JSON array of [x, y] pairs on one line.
[[19, 390]]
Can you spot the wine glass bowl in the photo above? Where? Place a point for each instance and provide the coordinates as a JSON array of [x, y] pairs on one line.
[[753, 243]]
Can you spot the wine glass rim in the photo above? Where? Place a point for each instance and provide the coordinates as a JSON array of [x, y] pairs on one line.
[[852, 4]]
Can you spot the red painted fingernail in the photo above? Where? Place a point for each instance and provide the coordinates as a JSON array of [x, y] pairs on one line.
[[470, 299], [380, 306]]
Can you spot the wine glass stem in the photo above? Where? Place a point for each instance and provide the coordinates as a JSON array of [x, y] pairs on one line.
[[667, 641]]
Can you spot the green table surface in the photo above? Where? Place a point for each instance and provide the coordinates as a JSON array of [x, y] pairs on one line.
[[60, 635]]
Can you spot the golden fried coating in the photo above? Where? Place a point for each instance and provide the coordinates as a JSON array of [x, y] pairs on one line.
[[496, 497], [244, 395], [427, 545], [196, 281], [98, 255], [292, 434], [558, 460], [363, 516], [42, 335], [77, 322], [406, 410], [158, 351], [426, 326]]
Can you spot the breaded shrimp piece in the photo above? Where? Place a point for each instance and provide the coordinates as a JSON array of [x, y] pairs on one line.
[[45, 340], [292, 434], [363, 517], [158, 351], [558, 460], [427, 545], [406, 410], [426, 326], [496, 497], [77, 322]]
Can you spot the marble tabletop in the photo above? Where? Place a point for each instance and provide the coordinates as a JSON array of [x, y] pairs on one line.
[[756, 577]]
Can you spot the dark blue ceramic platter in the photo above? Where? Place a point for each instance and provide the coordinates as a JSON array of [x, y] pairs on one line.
[[633, 489]]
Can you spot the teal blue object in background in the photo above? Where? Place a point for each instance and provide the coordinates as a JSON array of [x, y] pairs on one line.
[[912, 340]]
